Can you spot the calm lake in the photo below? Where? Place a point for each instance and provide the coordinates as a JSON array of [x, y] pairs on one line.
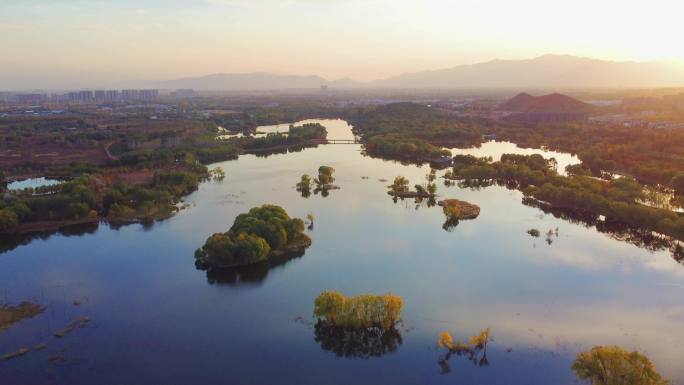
[[155, 319]]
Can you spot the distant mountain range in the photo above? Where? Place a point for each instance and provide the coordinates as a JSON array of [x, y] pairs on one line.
[[250, 81], [548, 71]]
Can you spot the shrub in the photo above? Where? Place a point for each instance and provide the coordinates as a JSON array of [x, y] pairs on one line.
[[8, 220], [612, 365], [359, 312], [325, 176]]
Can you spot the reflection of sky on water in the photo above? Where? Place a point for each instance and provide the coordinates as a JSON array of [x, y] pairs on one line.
[[150, 306], [32, 183], [496, 149], [337, 128]]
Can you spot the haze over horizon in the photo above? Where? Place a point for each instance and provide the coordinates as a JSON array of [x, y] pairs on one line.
[[77, 43]]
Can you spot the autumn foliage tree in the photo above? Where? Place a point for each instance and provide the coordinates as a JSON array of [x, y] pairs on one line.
[[612, 365], [359, 312]]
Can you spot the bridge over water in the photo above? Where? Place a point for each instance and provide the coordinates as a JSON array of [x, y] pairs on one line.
[[336, 141]]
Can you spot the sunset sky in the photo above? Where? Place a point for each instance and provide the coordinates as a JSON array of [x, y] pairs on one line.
[[362, 39]]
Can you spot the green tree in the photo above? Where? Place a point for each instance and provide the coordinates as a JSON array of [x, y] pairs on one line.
[[251, 238], [400, 185], [325, 176], [304, 185], [8, 220]]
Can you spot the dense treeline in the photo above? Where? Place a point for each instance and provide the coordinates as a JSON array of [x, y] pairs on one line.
[[248, 118], [296, 136], [412, 120], [653, 156], [409, 131], [617, 199], [254, 237], [90, 197], [70, 200], [398, 146]]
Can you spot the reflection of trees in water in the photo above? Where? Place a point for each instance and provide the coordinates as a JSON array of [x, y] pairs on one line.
[[450, 223], [475, 350], [417, 202], [253, 274], [620, 231], [323, 191], [9, 242], [477, 355], [357, 343], [477, 184], [265, 153]]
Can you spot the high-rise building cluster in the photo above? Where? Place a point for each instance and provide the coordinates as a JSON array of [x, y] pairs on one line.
[[83, 96], [87, 96]]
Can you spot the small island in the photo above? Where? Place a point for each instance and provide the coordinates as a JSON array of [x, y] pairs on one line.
[[475, 350], [9, 315], [360, 312], [400, 187], [458, 209], [324, 182], [264, 233]]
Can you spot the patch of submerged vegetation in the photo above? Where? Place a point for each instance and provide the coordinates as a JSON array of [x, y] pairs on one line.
[[9, 315], [17, 353], [612, 365], [73, 325], [475, 350], [256, 236], [217, 174]]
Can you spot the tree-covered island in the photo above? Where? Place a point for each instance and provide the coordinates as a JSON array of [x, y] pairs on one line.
[[261, 234]]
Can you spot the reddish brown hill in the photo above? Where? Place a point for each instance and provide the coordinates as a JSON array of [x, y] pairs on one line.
[[552, 103]]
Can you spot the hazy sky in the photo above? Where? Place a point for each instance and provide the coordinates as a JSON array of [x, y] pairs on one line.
[[362, 39]]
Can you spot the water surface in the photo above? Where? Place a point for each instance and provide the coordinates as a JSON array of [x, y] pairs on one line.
[[495, 149], [32, 183], [158, 320]]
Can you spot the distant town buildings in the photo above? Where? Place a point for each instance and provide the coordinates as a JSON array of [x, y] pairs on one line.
[[83, 96], [31, 98]]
